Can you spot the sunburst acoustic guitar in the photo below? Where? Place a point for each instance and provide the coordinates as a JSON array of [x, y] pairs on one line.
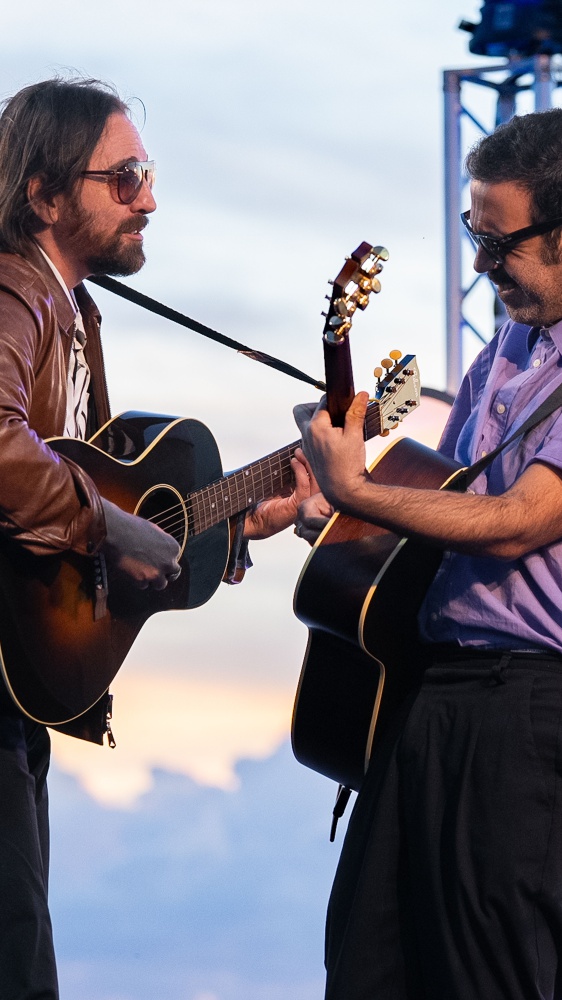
[[65, 626]]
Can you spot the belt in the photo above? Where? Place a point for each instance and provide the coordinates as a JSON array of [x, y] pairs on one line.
[[452, 651]]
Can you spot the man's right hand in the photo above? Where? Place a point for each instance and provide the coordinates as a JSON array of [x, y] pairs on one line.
[[139, 549]]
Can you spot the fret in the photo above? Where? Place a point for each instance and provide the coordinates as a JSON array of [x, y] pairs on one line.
[[253, 483], [241, 489]]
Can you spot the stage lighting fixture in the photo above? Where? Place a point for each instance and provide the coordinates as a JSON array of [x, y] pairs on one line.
[[516, 28]]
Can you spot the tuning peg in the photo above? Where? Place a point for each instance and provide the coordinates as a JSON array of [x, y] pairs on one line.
[[341, 307], [380, 252], [386, 363], [377, 372], [395, 355], [361, 301], [336, 321]]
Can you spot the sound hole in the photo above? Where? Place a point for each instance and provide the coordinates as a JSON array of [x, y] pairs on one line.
[[165, 507]]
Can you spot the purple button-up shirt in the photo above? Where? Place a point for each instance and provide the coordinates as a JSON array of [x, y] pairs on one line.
[[480, 601]]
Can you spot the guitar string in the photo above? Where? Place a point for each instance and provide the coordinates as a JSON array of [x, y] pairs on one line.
[[194, 504], [277, 462], [199, 514]]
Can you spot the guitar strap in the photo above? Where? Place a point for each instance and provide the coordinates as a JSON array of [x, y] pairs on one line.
[[552, 403], [118, 288]]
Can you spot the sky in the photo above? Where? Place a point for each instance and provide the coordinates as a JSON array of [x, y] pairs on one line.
[[193, 860]]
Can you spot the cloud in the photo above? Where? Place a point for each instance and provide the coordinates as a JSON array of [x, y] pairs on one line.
[[181, 724], [195, 890]]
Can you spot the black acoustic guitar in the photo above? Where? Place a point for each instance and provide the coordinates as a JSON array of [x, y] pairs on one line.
[[361, 587], [65, 628]]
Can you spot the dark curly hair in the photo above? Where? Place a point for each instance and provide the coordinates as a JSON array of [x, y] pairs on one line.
[[526, 150]]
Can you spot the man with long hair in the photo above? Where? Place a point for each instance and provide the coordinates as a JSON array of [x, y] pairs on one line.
[[75, 198]]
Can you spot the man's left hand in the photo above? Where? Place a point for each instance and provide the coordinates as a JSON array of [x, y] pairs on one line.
[[274, 515]]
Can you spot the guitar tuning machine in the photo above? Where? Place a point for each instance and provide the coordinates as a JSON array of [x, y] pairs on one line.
[[380, 253]]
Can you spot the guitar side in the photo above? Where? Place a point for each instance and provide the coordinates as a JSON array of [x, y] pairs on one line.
[[359, 593], [56, 657]]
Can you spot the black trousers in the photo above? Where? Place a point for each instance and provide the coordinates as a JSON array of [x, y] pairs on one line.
[[449, 885], [27, 962]]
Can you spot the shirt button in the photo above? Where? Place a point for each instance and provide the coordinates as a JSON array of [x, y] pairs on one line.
[[537, 363], [500, 408], [484, 453]]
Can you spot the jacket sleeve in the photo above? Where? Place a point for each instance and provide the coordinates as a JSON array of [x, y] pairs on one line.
[[47, 503]]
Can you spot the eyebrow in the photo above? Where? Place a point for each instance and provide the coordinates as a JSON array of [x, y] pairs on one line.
[[480, 232], [119, 164]]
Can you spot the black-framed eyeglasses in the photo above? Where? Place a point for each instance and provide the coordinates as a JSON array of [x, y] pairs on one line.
[[128, 180], [498, 247]]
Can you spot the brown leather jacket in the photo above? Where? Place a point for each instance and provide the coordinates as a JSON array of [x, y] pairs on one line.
[[46, 503]]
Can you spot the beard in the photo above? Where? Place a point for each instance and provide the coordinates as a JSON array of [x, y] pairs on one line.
[[522, 303], [111, 257], [103, 254]]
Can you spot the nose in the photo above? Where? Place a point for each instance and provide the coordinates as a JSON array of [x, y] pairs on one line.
[[483, 262], [144, 201]]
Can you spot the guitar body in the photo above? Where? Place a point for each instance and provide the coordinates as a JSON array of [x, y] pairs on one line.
[[359, 594], [56, 656]]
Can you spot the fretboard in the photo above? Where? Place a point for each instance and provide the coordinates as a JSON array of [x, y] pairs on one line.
[[249, 485]]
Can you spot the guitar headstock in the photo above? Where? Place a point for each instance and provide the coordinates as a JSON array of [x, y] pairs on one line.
[[352, 288], [397, 394]]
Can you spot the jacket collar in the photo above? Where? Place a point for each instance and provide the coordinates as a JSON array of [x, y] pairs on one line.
[[64, 309]]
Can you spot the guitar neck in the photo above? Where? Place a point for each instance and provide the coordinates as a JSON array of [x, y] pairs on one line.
[[251, 484], [339, 379]]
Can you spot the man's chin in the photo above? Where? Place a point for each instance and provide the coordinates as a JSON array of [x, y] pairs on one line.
[[520, 312], [120, 266]]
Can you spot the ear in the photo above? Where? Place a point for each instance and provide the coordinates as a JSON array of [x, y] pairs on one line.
[[45, 209]]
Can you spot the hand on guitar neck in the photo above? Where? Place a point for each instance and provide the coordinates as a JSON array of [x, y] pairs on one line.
[[341, 412], [139, 549], [315, 511], [337, 454], [271, 516]]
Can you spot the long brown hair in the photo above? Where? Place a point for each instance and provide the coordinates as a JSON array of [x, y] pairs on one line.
[[48, 130]]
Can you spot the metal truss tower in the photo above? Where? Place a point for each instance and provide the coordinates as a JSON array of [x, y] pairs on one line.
[[497, 92]]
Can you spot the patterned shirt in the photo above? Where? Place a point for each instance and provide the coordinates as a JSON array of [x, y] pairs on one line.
[[78, 383], [78, 379]]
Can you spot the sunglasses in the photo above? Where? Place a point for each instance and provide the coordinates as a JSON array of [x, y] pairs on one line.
[[128, 180], [498, 247]]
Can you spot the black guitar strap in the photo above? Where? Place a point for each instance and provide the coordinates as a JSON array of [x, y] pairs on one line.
[[118, 288]]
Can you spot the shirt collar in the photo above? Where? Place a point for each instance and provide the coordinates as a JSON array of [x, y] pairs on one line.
[[60, 279], [555, 334]]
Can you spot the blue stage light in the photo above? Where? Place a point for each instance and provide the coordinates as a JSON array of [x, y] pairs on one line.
[[516, 27]]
